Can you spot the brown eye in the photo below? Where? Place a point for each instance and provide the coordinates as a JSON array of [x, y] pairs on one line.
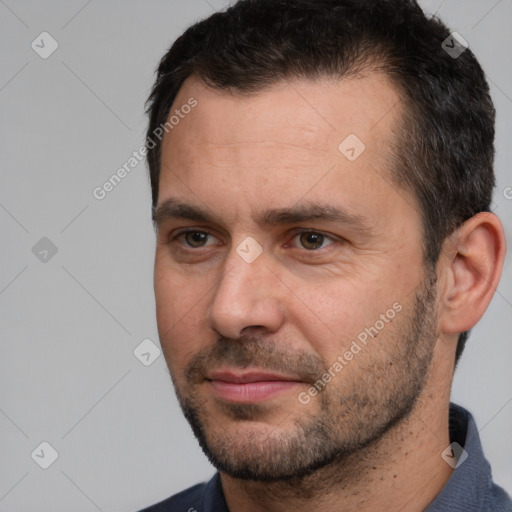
[[195, 238], [311, 241]]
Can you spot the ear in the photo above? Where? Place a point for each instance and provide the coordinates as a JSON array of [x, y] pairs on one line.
[[471, 266]]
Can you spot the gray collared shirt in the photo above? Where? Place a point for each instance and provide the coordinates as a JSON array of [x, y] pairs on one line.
[[469, 489]]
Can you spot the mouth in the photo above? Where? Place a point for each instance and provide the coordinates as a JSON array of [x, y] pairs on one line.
[[249, 386]]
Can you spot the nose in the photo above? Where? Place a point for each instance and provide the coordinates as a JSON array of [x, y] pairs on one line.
[[246, 297]]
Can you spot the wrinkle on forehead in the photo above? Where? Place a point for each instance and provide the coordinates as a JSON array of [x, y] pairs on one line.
[[295, 113]]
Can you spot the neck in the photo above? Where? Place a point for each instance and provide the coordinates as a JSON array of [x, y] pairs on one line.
[[401, 470]]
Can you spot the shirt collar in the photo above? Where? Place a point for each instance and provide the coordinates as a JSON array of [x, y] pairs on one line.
[[471, 480]]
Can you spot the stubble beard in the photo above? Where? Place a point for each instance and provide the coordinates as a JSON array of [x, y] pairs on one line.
[[349, 417]]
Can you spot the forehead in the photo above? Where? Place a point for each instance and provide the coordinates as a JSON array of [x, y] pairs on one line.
[[236, 154], [302, 114]]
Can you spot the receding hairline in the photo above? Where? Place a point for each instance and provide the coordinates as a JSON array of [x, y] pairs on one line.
[[404, 109], [368, 64]]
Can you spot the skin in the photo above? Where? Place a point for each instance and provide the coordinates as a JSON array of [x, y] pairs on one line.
[[296, 309]]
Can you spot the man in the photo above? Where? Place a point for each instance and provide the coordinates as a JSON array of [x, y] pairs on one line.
[[321, 175]]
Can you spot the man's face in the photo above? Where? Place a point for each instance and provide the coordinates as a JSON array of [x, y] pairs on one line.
[[291, 340]]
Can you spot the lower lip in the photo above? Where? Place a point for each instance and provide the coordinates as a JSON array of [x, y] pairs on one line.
[[251, 391]]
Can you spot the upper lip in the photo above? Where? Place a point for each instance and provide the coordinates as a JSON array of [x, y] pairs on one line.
[[247, 376]]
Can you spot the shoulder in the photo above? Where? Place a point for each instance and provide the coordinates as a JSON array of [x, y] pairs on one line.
[[471, 485], [188, 500], [193, 499]]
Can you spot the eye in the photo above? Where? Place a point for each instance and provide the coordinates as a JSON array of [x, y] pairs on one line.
[[312, 240], [309, 240], [194, 238]]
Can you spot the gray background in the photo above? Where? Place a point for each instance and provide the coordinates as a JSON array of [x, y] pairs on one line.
[[69, 325]]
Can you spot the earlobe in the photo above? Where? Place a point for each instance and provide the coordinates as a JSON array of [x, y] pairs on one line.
[[476, 255]]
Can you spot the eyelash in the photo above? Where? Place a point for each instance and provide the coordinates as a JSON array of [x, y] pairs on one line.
[[295, 235]]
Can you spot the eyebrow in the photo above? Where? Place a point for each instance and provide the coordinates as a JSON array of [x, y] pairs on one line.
[[173, 208]]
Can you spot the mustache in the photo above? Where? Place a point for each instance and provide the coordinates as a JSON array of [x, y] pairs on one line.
[[254, 352]]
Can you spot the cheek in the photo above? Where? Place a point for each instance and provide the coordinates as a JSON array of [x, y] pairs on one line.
[[178, 338], [177, 315], [326, 318], [335, 316], [180, 315], [171, 290], [167, 305]]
